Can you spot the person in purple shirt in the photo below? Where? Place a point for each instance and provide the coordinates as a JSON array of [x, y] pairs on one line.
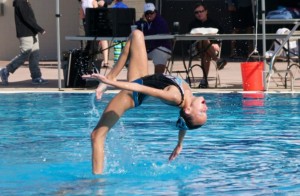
[[159, 51], [119, 4]]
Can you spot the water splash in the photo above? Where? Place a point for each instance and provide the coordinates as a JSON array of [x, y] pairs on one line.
[[93, 112]]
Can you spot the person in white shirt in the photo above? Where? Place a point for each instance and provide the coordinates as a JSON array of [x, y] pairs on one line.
[[103, 43]]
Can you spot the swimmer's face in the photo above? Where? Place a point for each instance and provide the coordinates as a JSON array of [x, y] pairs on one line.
[[198, 110]]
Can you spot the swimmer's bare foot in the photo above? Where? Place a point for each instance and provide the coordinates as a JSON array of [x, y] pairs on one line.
[[100, 90]]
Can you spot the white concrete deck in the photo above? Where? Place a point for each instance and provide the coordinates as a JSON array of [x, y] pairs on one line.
[[231, 79]]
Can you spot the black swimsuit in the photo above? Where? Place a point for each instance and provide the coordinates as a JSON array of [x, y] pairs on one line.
[[158, 81]]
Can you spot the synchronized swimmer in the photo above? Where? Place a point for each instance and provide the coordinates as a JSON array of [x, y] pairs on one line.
[[169, 89]]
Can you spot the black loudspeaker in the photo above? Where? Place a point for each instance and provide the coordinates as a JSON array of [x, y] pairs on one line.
[[78, 62], [109, 22]]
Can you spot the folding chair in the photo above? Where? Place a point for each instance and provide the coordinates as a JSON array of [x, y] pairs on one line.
[[284, 52], [195, 71], [294, 68], [170, 63]]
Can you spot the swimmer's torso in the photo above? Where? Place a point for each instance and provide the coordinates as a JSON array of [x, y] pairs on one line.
[[159, 81]]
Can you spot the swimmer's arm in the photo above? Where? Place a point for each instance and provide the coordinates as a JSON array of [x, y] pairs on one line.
[[154, 92], [131, 86], [178, 147]]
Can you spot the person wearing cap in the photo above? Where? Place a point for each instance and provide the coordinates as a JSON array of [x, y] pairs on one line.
[[152, 23], [27, 32]]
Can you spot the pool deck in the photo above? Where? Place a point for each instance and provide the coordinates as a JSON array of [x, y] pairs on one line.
[[230, 76]]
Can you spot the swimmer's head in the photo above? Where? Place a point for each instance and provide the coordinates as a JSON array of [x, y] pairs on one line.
[[194, 116]]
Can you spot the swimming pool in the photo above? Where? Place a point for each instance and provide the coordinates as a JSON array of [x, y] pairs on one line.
[[247, 147]]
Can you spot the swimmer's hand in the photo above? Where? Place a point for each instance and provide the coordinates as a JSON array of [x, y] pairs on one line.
[[178, 147], [98, 77], [95, 76], [175, 152]]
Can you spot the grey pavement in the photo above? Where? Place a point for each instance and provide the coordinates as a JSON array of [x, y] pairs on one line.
[[230, 78]]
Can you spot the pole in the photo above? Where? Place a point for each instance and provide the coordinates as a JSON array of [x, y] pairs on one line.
[[57, 15], [263, 15]]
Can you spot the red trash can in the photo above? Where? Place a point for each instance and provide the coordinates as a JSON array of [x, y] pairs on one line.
[[252, 75]]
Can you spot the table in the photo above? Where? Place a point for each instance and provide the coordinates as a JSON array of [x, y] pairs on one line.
[[119, 39], [190, 37], [86, 38], [281, 21], [111, 38]]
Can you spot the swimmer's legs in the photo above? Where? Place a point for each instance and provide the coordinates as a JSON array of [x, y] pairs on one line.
[[138, 65], [114, 110], [134, 51], [135, 47]]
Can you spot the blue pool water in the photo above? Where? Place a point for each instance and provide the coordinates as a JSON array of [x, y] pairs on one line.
[[247, 147]]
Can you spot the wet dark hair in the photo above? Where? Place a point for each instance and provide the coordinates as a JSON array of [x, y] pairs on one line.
[[201, 3], [188, 120]]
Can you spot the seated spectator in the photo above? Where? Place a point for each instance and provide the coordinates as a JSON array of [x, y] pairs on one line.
[[209, 49], [158, 50]]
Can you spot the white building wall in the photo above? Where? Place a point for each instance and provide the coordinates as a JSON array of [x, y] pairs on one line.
[[45, 11]]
